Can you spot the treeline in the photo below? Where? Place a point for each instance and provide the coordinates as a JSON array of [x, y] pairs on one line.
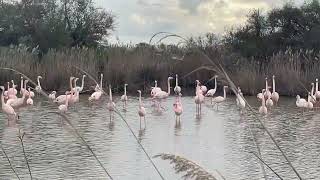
[[46, 24], [297, 28]]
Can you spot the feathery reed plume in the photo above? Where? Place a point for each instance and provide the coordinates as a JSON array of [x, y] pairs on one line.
[[191, 169], [21, 136], [65, 118], [5, 154]]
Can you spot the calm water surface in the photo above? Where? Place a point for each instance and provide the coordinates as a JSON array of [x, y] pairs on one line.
[[219, 140]]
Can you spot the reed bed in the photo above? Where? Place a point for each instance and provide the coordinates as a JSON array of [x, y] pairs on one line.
[[141, 64]]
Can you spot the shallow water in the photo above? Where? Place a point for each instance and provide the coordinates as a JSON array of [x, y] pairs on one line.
[[219, 140]]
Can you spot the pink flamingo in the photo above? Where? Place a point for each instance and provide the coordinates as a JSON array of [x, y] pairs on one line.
[[75, 96], [38, 87], [80, 88], [22, 90], [29, 100], [111, 105], [99, 87], [177, 107], [7, 109], [219, 99], [309, 104], [141, 111], [17, 103], [177, 88], [124, 97], [155, 89], [199, 98], [63, 108], [162, 94], [62, 98], [263, 109], [274, 95], [211, 92], [267, 93], [52, 96]]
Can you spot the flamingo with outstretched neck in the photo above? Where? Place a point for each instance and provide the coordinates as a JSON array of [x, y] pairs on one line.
[[63, 108], [124, 97], [80, 88], [162, 94], [38, 87], [62, 98], [199, 98], [211, 92], [177, 108], [141, 111], [263, 109], [274, 95], [177, 88], [111, 105], [219, 99], [29, 100]]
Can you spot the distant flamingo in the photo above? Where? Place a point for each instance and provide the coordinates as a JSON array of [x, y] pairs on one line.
[[199, 98], [313, 97], [274, 95], [38, 87], [15, 92], [204, 89], [98, 93], [28, 93], [22, 90], [17, 103], [240, 101], [62, 98], [211, 92], [155, 89], [263, 109], [219, 99], [63, 108], [141, 111], [309, 104], [162, 94], [267, 93], [7, 109], [124, 97], [269, 102], [301, 103], [111, 105], [177, 107], [99, 87], [29, 100], [75, 98], [52, 96], [317, 92], [177, 88], [80, 88]]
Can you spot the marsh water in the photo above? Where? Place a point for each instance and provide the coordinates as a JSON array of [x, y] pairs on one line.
[[218, 140]]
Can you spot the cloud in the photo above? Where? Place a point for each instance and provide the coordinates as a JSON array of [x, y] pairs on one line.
[[139, 19]]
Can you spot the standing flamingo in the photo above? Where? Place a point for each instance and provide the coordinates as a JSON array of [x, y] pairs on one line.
[[267, 93], [199, 98], [313, 97], [17, 103], [177, 88], [22, 90], [124, 97], [162, 94], [99, 87], [80, 88], [7, 109], [274, 95], [177, 107], [62, 98], [142, 111], [263, 109], [240, 101], [269, 102], [28, 93], [75, 97], [309, 104], [95, 96], [29, 100], [211, 92], [219, 99], [38, 87], [111, 105], [155, 89], [63, 108]]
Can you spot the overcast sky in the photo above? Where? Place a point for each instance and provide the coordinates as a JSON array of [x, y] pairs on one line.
[[137, 20]]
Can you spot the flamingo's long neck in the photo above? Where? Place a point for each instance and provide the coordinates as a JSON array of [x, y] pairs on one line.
[[70, 84], [312, 89], [21, 85], [224, 93], [273, 85], [39, 82], [101, 81], [82, 83], [25, 84], [13, 85], [110, 94], [2, 98], [67, 99], [176, 80], [215, 83], [125, 90], [140, 102], [155, 84], [267, 85], [263, 102], [168, 86], [317, 86]]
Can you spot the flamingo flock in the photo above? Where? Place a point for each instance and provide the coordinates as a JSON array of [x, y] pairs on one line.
[[11, 102]]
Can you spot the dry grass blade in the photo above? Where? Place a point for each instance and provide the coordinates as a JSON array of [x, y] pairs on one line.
[[191, 169], [21, 136], [65, 118], [199, 69], [5, 154]]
